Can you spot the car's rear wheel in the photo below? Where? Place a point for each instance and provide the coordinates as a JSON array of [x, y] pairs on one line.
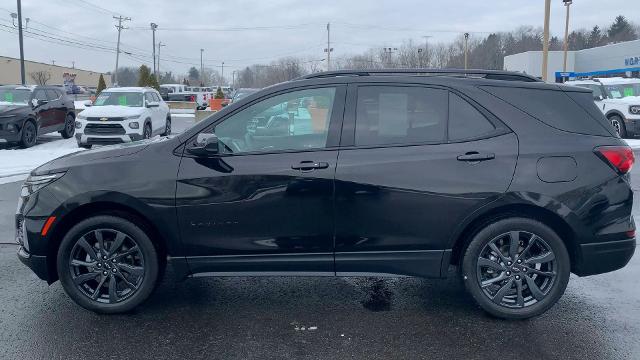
[[29, 134], [167, 127], [618, 124], [516, 268], [107, 264], [69, 127]]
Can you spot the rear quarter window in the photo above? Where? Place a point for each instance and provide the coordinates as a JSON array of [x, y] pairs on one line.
[[552, 107]]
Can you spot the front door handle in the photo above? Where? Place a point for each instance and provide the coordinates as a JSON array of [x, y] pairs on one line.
[[310, 165], [474, 156]]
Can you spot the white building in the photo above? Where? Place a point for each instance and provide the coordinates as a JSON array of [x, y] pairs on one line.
[[54, 74], [622, 59]]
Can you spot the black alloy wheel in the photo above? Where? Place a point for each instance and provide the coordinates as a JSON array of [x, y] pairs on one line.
[[29, 135], [146, 133]]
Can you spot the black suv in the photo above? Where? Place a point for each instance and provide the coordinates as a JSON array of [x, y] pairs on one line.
[[29, 111], [513, 181]]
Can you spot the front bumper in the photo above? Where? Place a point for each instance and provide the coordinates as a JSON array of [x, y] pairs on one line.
[[38, 264], [84, 139], [598, 258], [13, 134]]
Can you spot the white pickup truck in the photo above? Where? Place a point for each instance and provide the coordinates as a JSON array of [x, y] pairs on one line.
[[181, 92], [619, 101]]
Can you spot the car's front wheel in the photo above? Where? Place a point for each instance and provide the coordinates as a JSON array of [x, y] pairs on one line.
[[146, 132], [516, 268], [29, 134], [107, 264]]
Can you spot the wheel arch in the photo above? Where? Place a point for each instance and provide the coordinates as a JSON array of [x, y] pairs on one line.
[[545, 216], [613, 112], [102, 207]]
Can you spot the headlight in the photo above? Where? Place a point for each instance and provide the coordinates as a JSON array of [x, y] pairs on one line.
[[131, 117], [134, 125], [81, 117], [78, 124], [37, 182], [634, 109]]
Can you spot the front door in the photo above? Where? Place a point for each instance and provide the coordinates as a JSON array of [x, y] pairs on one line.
[[43, 111], [266, 201], [416, 163]]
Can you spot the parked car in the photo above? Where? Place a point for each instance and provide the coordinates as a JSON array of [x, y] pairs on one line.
[[618, 100], [29, 111], [515, 182], [242, 93], [164, 93], [121, 115], [179, 92]]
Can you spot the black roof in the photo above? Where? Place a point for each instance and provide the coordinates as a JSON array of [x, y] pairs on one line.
[[470, 73]]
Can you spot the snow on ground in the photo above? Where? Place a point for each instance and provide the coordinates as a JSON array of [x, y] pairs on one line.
[[634, 143], [17, 163]]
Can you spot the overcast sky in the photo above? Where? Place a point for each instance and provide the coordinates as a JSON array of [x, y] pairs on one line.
[[259, 31]]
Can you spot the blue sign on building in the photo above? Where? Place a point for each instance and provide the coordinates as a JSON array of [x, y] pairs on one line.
[[632, 61]]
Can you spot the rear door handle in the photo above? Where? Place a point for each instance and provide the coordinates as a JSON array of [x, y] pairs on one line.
[[474, 156], [310, 165]]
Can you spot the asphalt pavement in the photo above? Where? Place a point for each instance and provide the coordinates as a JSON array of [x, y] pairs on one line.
[[312, 318]]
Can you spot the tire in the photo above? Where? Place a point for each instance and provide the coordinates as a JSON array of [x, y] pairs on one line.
[[85, 146], [130, 268], [618, 124], [146, 133], [167, 127], [69, 127], [29, 134], [538, 292]]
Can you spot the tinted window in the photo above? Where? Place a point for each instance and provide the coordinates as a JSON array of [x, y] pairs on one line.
[[553, 108], [465, 121], [52, 95], [297, 120], [400, 115], [40, 95]]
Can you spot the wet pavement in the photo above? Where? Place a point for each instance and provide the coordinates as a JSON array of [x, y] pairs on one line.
[[315, 318]]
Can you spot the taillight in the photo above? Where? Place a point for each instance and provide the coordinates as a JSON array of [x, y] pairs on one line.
[[621, 158]]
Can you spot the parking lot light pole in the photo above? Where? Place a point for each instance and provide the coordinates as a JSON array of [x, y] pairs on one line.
[[154, 26], [545, 44], [466, 51], [160, 45], [21, 41], [201, 67], [567, 3]]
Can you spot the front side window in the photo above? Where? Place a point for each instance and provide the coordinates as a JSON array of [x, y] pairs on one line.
[[40, 95], [297, 120], [149, 97], [52, 95], [131, 99], [400, 115]]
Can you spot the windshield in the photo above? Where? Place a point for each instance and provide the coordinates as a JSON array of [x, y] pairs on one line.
[[131, 99], [14, 96], [622, 91]]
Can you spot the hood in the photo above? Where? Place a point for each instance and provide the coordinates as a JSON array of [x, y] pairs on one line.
[[7, 108], [112, 111], [84, 157], [630, 100]]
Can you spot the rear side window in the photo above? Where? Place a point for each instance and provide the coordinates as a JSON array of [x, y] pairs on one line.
[[400, 115], [465, 121], [554, 108], [586, 102]]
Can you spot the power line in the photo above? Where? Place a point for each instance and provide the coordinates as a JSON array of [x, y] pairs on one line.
[[224, 29]]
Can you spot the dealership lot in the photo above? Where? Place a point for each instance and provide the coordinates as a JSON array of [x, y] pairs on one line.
[[240, 318]]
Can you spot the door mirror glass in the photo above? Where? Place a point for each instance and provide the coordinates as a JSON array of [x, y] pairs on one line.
[[206, 144]]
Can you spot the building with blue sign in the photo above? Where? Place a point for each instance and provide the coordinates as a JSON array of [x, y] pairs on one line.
[[621, 59]]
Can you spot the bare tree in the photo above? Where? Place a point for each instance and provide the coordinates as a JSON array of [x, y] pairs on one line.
[[40, 77]]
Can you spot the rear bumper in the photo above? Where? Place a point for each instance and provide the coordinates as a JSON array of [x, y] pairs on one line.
[[598, 258], [38, 264]]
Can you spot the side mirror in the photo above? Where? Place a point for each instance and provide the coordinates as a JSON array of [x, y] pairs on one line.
[[88, 103], [38, 102], [206, 145], [151, 104]]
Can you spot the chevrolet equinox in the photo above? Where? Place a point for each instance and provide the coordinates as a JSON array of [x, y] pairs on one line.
[[514, 182]]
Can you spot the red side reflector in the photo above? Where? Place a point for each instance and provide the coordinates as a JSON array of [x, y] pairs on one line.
[[47, 225], [631, 233], [620, 158]]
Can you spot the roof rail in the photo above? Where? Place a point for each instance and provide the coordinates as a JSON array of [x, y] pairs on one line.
[[485, 74]]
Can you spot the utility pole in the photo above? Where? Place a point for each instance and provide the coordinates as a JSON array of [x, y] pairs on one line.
[[154, 26], [120, 28], [466, 51], [73, 64], [426, 52], [53, 62], [567, 3], [233, 81], [222, 75], [328, 50], [20, 40], [201, 66], [389, 55], [545, 44], [160, 45]]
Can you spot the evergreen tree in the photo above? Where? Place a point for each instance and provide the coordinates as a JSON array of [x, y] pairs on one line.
[[596, 38], [101, 85], [219, 94], [144, 78], [621, 30]]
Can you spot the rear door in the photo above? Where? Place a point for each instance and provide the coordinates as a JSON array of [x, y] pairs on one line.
[[44, 112], [415, 162], [58, 109]]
